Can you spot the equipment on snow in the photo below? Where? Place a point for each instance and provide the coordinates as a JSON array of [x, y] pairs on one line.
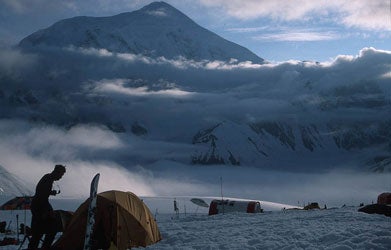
[[229, 206], [199, 202]]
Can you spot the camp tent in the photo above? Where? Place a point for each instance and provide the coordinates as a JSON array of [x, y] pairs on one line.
[[384, 198], [381, 207], [121, 219]]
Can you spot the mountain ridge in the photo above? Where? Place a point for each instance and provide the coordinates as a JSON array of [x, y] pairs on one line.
[[251, 144]]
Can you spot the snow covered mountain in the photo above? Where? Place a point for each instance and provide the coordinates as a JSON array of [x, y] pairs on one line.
[[157, 30], [276, 144]]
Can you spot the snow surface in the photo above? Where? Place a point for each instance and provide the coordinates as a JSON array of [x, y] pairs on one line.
[[324, 229], [335, 228]]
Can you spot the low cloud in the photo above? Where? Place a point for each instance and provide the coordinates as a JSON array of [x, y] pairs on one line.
[[118, 86], [29, 152], [159, 13], [53, 142], [298, 36], [276, 89], [285, 34], [180, 62], [333, 189], [14, 63], [248, 30], [173, 179]]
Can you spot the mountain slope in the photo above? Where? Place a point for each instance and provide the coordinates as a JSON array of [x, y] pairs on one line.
[[303, 147], [155, 30]]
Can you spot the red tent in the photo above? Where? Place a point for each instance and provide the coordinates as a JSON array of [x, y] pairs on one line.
[[384, 198], [17, 203], [229, 206]]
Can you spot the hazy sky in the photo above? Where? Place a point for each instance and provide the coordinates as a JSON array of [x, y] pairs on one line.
[[277, 30]]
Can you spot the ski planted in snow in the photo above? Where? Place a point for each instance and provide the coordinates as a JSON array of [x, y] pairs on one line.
[[91, 213]]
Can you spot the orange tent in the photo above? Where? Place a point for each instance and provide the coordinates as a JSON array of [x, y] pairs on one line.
[[122, 219]]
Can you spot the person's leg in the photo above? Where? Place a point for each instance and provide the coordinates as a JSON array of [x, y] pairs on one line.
[[51, 227], [34, 241], [36, 231], [48, 241]]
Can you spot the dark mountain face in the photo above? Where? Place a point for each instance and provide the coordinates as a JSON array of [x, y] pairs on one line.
[[157, 30]]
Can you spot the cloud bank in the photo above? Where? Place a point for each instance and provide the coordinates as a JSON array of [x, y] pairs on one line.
[[29, 152], [200, 91], [165, 178], [14, 63], [195, 97]]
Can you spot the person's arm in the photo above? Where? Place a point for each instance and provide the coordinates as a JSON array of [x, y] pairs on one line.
[[44, 187]]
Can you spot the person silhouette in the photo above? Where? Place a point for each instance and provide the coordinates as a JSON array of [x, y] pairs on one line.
[[176, 209], [43, 219]]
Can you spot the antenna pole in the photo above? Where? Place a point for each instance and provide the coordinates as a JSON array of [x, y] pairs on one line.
[[221, 189]]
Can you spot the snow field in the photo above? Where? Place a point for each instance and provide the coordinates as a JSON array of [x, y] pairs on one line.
[[338, 228], [342, 228]]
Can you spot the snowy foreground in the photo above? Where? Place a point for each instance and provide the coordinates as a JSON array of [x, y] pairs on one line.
[[343, 228], [337, 228]]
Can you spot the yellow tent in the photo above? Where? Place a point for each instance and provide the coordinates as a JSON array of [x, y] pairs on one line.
[[122, 220]]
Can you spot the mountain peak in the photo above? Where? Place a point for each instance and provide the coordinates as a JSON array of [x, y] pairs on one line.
[[159, 9], [157, 6], [156, 30], [164, 10]]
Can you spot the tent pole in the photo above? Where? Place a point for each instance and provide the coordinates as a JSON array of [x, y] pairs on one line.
[[221, 189], [24, 228], [17, 229]]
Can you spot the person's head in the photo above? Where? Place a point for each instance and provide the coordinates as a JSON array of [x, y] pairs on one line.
[[59, 171]]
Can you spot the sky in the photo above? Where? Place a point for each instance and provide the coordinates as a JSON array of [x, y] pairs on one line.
[[276, 30]]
